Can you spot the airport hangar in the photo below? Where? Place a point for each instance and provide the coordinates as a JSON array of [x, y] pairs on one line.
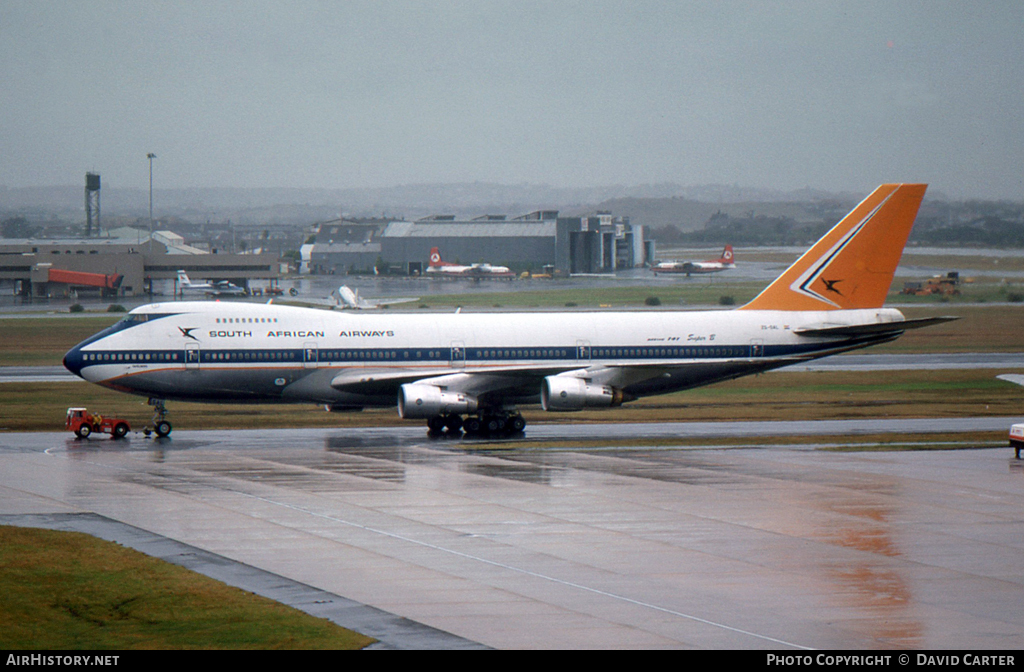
[[589, 244], [27, 264]]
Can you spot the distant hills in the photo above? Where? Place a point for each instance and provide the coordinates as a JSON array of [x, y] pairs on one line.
[[689, 215], [671, 213], [663, 203]]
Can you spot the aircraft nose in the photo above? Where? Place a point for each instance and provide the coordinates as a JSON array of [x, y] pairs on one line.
[[73, 360]]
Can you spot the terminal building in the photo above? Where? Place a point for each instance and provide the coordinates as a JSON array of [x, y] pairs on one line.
[[144, 264], [571, 245], [52, 268]]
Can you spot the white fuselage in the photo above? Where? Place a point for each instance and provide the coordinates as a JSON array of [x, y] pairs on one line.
[[267, 353], [691, 267], [474, 271]]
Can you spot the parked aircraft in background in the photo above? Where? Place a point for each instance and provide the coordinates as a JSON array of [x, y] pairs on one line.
[[727, 260], [440, 268], [1016, 430], [349, 299], [470, 370], [220, 288]]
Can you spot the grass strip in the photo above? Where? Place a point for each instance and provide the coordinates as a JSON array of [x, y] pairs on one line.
[[67, 590]]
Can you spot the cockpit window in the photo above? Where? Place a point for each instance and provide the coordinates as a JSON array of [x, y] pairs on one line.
[[132, 320]]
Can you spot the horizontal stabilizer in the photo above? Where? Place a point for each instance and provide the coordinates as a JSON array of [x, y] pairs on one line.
[[874, 328]]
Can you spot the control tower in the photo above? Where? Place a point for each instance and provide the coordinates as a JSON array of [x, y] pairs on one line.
[[92, 203]]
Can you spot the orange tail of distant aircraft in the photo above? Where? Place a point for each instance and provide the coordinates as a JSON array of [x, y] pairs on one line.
[[852, 266]]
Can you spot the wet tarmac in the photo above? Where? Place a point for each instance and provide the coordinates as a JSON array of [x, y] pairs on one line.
[[457, 544]]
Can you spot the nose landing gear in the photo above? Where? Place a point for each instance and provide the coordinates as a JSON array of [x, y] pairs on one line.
[[160, 424]]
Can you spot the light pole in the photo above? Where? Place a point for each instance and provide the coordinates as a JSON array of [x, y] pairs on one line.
[[151, 156]]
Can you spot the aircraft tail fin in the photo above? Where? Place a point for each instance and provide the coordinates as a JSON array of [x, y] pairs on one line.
[[727, 255], [183, 279], [852, 266], [347, 298], [435, 256], [344, 297]]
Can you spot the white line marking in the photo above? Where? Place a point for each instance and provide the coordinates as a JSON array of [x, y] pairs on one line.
[[527, 572]]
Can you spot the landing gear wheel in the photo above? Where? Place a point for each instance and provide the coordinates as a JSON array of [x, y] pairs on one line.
[[516, 424], [453, 423], [120, 430], [472, 425], [83, 431], [436, 423], [160, 425]]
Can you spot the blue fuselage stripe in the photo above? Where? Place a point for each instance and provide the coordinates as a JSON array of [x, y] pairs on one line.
[[470, 355]]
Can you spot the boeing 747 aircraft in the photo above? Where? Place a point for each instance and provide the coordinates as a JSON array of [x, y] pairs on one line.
[[470, 371]]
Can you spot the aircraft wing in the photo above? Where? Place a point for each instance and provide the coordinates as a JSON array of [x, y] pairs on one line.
[[379, 381], [391, 302], [470, 381], [1015, 378], [517, 382], [334, 303], [310, 301]]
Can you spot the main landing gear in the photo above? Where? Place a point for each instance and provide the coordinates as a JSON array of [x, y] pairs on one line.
[[488, 423], [160, 425]]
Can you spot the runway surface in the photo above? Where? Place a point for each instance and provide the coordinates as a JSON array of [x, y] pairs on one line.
[[772, 548]]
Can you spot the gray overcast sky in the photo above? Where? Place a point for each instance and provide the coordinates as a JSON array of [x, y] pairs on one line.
[[833, 95]]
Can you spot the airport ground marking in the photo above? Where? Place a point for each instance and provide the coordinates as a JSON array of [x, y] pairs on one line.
[[520, 570], [54, 452]]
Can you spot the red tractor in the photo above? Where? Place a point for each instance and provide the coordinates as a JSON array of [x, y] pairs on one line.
[[83, 423]]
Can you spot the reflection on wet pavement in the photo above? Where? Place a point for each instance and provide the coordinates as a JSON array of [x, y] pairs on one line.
[[526, 547]]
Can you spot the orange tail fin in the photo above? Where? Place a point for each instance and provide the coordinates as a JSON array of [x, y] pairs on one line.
[[852, 266]]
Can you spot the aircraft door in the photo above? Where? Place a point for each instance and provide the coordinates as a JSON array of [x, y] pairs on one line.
[[192, 356], [757, 348], [310, 355], [458, 357], [583, 350]]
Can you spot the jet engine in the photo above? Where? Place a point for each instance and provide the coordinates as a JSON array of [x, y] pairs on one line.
[[565, 393], [419, 400]]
